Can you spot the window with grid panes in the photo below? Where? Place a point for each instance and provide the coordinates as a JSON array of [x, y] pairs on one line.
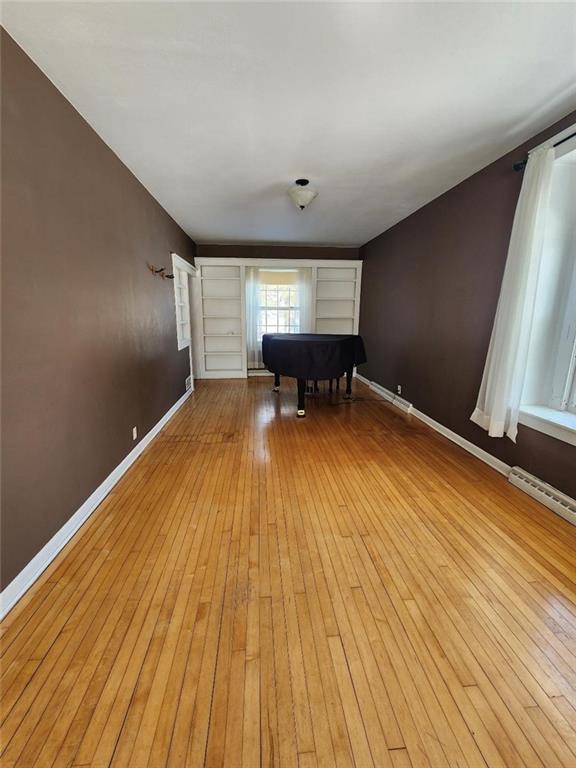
[[278, 309]]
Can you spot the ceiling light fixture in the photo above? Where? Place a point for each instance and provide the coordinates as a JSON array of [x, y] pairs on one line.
[[301, 194]]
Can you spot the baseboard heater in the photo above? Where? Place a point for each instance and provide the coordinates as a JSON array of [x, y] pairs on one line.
[[555, 500]]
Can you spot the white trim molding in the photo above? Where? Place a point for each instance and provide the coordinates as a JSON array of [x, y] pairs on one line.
[[480, 453], [558, 424], [396, 400], [285, 263], [28, 575], [178, 261], [409, 409]]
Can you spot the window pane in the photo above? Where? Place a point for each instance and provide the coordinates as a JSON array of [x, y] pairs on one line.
[[277, 313]]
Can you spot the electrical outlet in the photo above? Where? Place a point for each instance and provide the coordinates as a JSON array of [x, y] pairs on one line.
[[399, 389], [134, 433]]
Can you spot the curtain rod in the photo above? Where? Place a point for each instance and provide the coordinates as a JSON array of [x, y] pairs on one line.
[[521, 164]]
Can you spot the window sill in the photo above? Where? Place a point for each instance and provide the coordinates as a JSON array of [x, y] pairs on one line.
[[558, 424]]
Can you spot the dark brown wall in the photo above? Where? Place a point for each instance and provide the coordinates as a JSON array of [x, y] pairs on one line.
[[278, 252], [88, 335], [430, 287]]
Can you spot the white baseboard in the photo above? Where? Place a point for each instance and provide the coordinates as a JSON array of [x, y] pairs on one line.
[[396, 400], [408, 408], [481, 454], [361, 378], [28, 575]]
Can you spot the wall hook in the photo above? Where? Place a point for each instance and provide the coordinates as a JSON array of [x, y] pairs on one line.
[[157, 270]]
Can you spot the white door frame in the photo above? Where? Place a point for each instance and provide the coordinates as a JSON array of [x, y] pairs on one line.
[[179, 263]]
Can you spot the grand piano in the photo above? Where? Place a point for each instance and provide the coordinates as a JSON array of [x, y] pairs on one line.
[[312, 357]]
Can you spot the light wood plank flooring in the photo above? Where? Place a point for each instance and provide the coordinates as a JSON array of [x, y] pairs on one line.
[[346, 590]]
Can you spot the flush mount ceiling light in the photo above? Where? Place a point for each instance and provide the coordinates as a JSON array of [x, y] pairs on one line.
[[301, 194]]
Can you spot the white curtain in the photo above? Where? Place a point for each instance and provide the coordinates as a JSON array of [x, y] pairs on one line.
[[254, 347], [258, 276], [305, 298], [504, 375]]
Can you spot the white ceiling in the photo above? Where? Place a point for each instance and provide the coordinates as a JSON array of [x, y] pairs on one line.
[[218, 107]]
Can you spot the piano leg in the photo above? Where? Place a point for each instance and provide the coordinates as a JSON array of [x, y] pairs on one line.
[[316, 388], [276, 387], [348, 394], [301, 397]]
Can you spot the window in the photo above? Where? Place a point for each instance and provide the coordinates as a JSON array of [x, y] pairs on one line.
[[549, 397], [182, 301], [278, 309], [564, 398], [560, 266], [278, 300]]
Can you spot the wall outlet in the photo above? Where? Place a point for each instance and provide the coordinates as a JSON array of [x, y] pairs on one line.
[[134, 433], [399, 389]]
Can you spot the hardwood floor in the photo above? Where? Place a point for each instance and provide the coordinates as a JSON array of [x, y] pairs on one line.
[[350, 589]]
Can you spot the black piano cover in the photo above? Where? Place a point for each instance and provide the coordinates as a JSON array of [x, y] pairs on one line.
[[312, 355]]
